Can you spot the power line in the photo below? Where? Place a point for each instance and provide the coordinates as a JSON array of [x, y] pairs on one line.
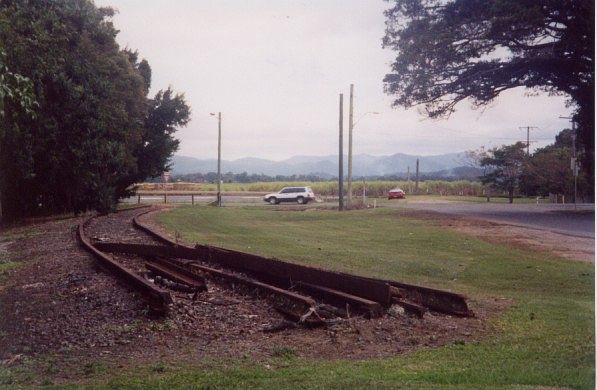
[[528, 128], [477, 135]]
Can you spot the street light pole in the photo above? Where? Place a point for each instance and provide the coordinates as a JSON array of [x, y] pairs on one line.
[[341, 155], [219, 194], [219, 159], [350, 127]]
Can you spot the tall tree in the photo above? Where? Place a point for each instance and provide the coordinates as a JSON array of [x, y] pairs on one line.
[[16, 93], [549, 169], [15, 90], [83, 147], [167, 112], [451, 50], [505, 167]]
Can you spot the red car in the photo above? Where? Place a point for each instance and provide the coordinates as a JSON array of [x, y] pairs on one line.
[[396, 193]]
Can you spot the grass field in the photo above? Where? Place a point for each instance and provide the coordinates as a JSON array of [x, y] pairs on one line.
[[545, 338], [454, 198], [326, 188], [460, 191]]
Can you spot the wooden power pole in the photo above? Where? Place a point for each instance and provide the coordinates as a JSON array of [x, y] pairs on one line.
[[417, 178], [341, 156], [528, 129], [574, 162], [350, 127]]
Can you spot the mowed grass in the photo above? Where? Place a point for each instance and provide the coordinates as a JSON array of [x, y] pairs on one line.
[[544, 338], [380, 242], [459, 199]]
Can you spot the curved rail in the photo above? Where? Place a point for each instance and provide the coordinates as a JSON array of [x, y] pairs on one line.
[[358, 290], [158, 298]]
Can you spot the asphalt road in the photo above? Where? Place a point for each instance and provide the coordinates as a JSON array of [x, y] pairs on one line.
[[559, 218], [227, 199]]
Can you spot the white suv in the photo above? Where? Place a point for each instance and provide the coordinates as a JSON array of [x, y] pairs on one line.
[[300, 195]]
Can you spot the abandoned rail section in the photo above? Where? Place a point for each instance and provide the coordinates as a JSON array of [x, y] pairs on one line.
[[304, 294]]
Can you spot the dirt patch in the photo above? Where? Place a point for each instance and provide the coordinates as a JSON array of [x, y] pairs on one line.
[[62, 315], [568, 247]]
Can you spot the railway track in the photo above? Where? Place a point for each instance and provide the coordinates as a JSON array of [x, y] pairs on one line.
[[306, 295]]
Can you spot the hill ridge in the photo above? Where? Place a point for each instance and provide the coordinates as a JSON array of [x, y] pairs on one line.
[[323, 166]]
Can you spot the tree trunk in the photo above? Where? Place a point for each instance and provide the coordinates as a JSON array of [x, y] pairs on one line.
[[511, 195]]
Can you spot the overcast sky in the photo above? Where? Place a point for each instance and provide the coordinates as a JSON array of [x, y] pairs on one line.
[[274, 68]]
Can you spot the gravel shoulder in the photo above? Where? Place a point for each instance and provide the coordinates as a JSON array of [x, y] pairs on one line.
[[566, 246], [63, 315]]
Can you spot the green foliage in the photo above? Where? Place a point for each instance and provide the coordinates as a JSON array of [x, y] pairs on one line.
[[377, 188], [452, 50], [549, 169], [545, 338], [88, 141], [15, 89], [167, 111], [506, 165]]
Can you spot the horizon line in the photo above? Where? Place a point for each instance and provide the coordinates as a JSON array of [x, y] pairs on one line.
[[313, 156]]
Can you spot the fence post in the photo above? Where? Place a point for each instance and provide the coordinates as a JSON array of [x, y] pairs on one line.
[[192, 199]]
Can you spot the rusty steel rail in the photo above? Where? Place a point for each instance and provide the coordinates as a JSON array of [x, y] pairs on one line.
[[293, 304], [157, 254], [279, 272], [340, 299], [410, 307], [179, 275], [143, 227], [180, 252], [284, 274], [437, 300], [158, 298]]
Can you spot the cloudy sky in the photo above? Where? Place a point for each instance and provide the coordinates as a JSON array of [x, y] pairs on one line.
[[275, 68]]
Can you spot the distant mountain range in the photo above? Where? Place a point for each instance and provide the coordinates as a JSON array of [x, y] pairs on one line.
[[325, 166]]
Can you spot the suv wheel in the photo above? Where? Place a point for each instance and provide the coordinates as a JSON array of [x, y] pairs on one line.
[[272, 200], [300, 200]]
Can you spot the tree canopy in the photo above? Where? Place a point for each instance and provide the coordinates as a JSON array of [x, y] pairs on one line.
[[546, 171], [506, 166], [94, 131], [453, 50], [549, 170], [14, 89]]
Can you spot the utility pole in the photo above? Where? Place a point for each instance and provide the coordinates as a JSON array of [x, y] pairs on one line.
[[417, 179], [528, 128], [573, 160], [364, 192], [341, 156], [219, 194], [408, 179], [350, 127], [219, 159]]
